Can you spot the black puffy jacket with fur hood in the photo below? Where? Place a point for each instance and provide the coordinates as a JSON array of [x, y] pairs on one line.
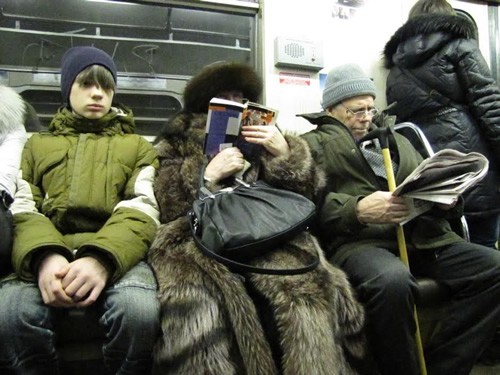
[[441, 51], [210, 322]]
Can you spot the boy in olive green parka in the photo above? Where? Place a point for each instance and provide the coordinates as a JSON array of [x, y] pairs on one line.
[[85, 215]]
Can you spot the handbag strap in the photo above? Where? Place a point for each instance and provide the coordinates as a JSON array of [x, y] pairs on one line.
[[242, 267]]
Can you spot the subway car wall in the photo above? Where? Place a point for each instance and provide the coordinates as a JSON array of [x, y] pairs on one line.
[[159, 44], [349, 31]]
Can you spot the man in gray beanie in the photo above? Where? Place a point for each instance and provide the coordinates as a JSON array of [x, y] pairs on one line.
[[344, 82], [357, 228], [349, 96]]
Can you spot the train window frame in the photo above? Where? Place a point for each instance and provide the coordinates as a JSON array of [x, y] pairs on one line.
[[186, 34]]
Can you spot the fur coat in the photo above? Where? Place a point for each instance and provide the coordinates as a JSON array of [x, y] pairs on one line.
[[218, 322]]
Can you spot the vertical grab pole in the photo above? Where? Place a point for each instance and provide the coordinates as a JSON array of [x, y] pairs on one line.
[[403, 253]]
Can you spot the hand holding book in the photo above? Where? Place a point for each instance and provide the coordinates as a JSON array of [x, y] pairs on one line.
[[267, 136], [228, 162], [225, 121]]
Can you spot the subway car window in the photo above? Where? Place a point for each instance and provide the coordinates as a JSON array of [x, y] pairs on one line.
[[156, 47]]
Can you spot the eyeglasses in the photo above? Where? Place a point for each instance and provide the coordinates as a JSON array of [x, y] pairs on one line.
[[362, 113]]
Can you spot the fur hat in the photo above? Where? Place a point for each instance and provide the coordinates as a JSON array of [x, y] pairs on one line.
[[77, 59], [344, 82], [219, 77]]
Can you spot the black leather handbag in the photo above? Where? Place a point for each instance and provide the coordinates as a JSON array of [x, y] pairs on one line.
[[234, 225]]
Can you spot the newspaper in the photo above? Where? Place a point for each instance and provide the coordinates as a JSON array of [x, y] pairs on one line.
[[441, 178]]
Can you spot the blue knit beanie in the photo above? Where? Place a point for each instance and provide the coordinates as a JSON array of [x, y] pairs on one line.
[[77, 59], [344, 82]]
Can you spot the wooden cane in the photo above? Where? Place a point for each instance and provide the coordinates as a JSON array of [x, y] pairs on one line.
[[403, 253]]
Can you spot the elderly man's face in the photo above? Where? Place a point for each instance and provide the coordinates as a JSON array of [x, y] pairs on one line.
[[355, 113]]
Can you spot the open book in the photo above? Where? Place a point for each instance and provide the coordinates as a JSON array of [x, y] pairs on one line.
[[441, 178], [224, 122]]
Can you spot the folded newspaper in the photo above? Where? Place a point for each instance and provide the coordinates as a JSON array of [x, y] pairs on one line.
[[441, 178]]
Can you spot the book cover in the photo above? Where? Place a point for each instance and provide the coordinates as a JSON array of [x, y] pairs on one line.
[[224, 121], [223, 125]]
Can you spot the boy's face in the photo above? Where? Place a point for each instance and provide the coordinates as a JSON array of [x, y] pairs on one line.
[[90, 100]]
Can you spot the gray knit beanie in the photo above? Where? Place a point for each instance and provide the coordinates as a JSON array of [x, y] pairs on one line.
[[344, 82], [77, 59]]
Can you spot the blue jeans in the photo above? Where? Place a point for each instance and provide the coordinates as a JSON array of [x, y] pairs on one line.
[[129, 312], [387, 289]]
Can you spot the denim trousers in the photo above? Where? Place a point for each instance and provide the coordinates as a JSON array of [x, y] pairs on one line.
[[388, 291], [128, 310]]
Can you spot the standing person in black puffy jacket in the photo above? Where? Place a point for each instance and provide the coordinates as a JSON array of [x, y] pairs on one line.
[[454, 99]]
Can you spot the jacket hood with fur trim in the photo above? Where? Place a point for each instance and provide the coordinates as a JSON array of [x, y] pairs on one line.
[[415, 37]]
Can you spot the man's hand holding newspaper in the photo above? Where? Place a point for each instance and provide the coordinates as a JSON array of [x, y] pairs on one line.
[[441, 178]]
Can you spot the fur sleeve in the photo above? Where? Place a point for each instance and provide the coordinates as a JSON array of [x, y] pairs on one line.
[[297, 171], [177, 179]]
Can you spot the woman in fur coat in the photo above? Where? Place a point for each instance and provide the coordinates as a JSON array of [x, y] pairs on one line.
[[218, 322], [12, 139]]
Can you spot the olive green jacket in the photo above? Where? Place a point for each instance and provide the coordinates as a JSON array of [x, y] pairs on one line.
[[350, 178], [86, 190]]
